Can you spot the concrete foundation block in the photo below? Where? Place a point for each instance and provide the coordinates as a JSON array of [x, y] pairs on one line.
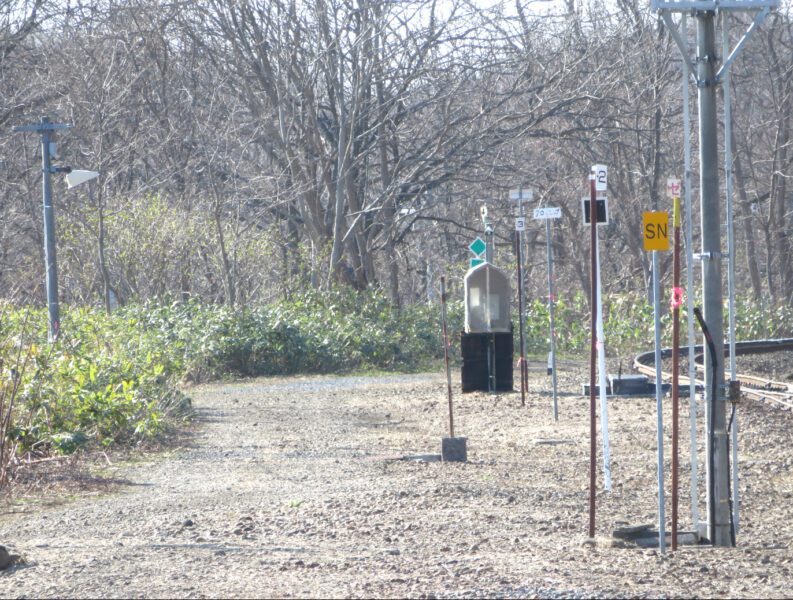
[[454, 449]]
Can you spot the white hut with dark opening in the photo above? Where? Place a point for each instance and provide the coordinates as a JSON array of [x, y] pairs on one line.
[[487, 297]]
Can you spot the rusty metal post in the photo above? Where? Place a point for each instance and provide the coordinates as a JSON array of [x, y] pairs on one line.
[[593, 351], [446, 355]]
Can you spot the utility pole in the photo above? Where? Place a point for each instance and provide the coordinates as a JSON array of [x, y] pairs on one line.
[[45, 128], [710, 225], [707, 78]]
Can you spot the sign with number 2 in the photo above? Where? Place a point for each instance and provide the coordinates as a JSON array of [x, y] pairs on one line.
[[600, 173]]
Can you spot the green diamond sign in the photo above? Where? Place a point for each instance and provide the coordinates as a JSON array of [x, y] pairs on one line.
[[478, 246]]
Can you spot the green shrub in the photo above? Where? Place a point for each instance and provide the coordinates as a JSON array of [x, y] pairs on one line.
[[115, 379]]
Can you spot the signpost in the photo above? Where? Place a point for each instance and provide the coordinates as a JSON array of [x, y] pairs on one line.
[[656, 237], [597, 183], [546, 214], [592, 350], [601, 214]]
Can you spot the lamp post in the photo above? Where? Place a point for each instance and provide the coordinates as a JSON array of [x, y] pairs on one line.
[[45, 128]]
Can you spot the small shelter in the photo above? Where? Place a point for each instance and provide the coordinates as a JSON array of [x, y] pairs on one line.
[[487, 295], [486, 342]]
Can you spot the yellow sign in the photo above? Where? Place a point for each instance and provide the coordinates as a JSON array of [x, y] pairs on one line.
[[656, 230]]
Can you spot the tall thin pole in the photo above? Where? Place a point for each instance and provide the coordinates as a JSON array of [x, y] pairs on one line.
[[446, 355], [659, 404], [593, 351], [520, 318], [49, 235], [550, 316], [725, 41], [524, 368], [692, 367], [675, 364], [45, 128], [710, 219]]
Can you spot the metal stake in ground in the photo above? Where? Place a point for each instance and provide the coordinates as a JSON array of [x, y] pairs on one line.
[[452, 449], [446, 355]]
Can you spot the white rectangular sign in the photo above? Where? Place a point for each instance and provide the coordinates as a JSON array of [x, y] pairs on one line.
[[519, 194], [600, 175], [520, 224], [673, 187], [549, 212]]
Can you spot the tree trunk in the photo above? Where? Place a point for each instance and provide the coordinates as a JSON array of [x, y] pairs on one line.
[[746, 222]]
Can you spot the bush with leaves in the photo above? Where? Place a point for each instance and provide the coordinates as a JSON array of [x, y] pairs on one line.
[[115, 378]]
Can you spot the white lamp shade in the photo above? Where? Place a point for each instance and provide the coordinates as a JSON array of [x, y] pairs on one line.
[[77, 177]]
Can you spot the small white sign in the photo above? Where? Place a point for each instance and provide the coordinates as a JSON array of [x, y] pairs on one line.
[[519, 194], [548, 212], [520, 224], [600, 174], [673, 187]]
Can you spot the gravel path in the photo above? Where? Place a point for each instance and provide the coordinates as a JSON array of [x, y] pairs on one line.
[[289, 487]]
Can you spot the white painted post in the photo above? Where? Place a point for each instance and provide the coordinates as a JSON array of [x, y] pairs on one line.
[[604, 413], [659, 406]]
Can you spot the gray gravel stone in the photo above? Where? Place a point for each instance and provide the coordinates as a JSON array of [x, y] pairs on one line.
[[310, 503]]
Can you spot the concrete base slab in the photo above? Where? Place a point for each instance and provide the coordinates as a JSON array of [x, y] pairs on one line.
[[648, 392], [684, 538], [628, 384], [422, 457], [646, 537], [454, 449]]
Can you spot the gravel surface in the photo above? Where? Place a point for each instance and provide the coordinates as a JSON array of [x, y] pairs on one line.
[[292, 487]]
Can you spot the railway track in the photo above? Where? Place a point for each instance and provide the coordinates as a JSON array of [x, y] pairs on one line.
[[774, 393]]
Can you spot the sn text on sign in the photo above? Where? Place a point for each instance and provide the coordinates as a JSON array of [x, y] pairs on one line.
[[655, 227]]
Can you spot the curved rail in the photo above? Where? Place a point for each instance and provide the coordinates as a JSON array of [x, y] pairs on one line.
[[776, 393]]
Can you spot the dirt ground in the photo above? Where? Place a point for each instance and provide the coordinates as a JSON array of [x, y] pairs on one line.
[[295, 487]]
